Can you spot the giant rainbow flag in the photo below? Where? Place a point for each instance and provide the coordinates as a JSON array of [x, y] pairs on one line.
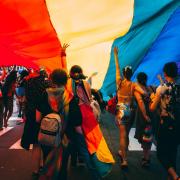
[[146, 32], [152, 40]]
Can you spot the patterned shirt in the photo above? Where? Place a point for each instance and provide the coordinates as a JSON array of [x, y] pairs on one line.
[[169, 94], [83, 99]]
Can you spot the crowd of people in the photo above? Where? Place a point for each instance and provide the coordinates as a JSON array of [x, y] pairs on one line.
[[61, 121], [10, 85], [149, 105]]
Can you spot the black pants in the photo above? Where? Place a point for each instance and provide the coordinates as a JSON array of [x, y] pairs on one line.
[[167, 145]]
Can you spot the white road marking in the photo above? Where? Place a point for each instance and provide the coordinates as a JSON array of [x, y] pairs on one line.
[[134, 144], [15, 119], [5, 130], [17, 145]]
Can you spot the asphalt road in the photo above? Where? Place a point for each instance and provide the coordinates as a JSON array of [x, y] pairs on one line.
[[16, 163]]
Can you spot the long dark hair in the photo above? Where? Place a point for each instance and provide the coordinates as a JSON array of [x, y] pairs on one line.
[[171, 69], [127, 72], [142, 78], [10, 79]]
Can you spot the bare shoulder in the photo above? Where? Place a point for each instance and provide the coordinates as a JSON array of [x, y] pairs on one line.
[[134, 85]]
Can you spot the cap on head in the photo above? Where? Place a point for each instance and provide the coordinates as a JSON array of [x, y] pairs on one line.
[[76, 73]]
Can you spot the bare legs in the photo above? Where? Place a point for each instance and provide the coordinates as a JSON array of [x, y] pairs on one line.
[[7, 115], [36, 158], [146, 153], [124, 142], [8, 110]]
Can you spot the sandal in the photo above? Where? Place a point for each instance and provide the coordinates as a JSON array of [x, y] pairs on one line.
[[124, 164]]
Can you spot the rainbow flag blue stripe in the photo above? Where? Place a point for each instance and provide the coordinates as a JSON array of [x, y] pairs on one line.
[[151, 41]]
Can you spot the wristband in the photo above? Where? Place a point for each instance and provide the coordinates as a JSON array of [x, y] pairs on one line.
[[63, 53]]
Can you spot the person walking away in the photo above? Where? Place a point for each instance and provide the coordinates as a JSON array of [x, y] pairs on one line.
[[125, 106], [56, 157], [144, 132], [168, 97], [36, 98], [2, 77], [20, 91], [8, 90], [98, 158]]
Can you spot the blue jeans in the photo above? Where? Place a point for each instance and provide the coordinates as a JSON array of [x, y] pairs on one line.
[[83, 151]]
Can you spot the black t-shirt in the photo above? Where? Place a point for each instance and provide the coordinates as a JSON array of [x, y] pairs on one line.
[[36, 96], [74, 119]]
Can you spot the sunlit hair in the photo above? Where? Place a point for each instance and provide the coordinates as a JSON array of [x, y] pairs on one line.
[[127, 72]]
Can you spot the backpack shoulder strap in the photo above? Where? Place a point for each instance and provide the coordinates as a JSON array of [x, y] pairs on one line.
[[87, 90]]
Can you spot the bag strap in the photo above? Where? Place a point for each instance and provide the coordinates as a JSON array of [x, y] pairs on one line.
[[131, 89], [64, 110], [86, 93]]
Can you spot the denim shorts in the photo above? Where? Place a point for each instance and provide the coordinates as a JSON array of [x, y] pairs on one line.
[[123, 112]]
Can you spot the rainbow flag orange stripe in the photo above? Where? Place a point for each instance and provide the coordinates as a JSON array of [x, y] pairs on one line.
[[93, 135]]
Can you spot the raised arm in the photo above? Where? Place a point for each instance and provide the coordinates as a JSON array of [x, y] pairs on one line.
[[160, 79], [90, 78], [63, 56], [118, 71]]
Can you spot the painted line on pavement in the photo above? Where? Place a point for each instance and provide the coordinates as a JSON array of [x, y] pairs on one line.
[[134, 144], [17, 145], [5, 130]]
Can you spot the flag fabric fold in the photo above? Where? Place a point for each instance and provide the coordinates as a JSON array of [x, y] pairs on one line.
[[148, 22]]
